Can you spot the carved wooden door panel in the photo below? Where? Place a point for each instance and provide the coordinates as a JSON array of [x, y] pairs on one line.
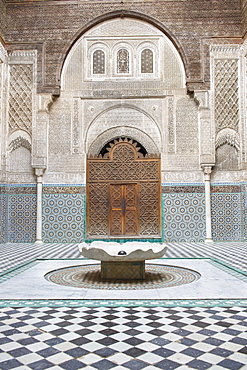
[[123, 193], [124, 209]]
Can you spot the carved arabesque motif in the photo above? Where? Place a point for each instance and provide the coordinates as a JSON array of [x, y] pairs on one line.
[[20, 97], [226, 94], [123, 192]]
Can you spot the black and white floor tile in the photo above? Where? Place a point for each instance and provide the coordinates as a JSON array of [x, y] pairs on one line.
[[123, 337]]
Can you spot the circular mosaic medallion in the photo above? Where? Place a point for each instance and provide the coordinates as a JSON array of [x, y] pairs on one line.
[[156, 276]]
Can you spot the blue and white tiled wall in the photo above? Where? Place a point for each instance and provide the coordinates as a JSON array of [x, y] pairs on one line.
[[64, 213], [184, 213]]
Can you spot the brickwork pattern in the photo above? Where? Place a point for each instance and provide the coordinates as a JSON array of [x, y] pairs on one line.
[[57, 24]]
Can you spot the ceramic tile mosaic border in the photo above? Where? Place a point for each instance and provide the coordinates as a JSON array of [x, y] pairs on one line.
[[124, 303]]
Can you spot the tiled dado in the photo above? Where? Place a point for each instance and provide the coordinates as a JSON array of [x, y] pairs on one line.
[[184, 217], [63, 214], [18, 213]]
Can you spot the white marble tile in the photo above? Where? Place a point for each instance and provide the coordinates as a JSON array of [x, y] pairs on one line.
[[213, 284]]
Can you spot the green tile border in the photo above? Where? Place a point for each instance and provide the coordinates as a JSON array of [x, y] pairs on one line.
[[124, 303]]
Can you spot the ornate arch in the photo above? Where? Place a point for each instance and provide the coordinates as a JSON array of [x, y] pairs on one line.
[[121, 14]]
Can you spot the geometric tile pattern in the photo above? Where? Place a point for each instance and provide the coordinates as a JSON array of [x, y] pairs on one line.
[[63, 218], [184, 217], [3, 218], [22, 218], [123, 338], [226, 216]]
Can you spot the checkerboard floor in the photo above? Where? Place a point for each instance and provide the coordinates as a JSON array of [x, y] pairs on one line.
[[123, 337]]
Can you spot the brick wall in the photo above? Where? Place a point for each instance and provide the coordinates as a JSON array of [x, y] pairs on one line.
[[52, 26], [2, 18]]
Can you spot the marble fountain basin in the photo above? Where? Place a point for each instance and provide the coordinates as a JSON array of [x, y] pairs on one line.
[[124, 261]]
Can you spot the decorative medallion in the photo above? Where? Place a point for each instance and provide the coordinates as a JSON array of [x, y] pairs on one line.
[[156, 276]]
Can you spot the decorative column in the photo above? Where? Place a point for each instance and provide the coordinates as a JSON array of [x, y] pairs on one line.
[[39, 173], [207, 171]]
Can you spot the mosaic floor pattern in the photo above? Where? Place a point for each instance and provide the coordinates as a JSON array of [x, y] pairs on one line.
[[132, 335], [89, 276]]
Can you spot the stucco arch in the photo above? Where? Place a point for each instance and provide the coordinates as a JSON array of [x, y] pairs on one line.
[[122, 14], [123, 121]]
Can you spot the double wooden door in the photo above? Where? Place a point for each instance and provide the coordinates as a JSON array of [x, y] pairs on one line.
[[124, 209]]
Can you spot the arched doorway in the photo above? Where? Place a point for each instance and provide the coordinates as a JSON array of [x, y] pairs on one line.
[[123, 192]]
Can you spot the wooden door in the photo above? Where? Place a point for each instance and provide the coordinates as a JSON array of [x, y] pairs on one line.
[[124, 212]]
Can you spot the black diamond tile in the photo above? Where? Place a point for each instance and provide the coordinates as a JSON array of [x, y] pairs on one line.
[[110, 317], [68, 317], [201, 324], [83, 332], [221, 352], [167, 365], [4, 340], [63, 324], [192, 352], [53, 341], [131, 317], [108, 332], [153, 317], [174, 317], [107, 341], [135, 364], [238, 341], [104, 365], [163, 352], [157, 332], [18, 352], [76, 352], [213, 341], [207, 332], [105, 352], [89, 317], [49, 351], [10, 364], [45, 317], [108, 324], [230, 364], [187, 341], [199, 364], [80, 341], [132, 311], [155, 324], [132, 324], [134, 352], [196, 317], [72, 365], [243, 350], [18, 324], [133, 341], [86, 324], [132, 332], [40, 365], [58, 332], [178, 324], [223, 324]]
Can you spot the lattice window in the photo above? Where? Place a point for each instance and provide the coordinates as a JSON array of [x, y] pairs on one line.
[[226, 94], [123, 61], [147, 61], [98, 62], [20, 97]]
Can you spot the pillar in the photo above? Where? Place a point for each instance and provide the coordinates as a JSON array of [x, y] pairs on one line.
[[207, 172], [39, 174]]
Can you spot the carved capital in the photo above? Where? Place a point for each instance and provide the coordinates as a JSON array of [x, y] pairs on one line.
[[202, 98], [39, 172], [207, 168], [45, 102]]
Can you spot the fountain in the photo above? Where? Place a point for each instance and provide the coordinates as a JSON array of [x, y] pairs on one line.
[[124, 261]]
